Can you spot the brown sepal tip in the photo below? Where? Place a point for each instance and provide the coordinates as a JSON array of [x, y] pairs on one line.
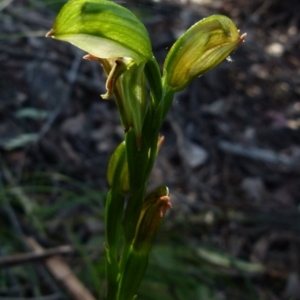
[[243, 37], [50, 33], [165, 204], [90, 57], [126, 129], [161, 139]]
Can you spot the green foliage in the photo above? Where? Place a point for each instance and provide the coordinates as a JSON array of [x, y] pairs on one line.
[[113, 36]]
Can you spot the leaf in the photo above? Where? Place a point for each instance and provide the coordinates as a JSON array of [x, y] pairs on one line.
[[103, 29], [199, 49]]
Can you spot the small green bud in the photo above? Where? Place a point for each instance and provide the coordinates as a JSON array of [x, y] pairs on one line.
[[201, 48], [117, 173]]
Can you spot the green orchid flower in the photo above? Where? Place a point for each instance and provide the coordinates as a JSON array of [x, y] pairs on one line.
[[201, 48], [115, 37], [103, 29]]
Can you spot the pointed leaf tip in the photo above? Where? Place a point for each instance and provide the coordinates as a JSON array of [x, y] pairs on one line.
[[49, 33], [243, 37]]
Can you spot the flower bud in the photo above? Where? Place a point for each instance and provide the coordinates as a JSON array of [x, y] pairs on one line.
[[199, 49], [154, 208]]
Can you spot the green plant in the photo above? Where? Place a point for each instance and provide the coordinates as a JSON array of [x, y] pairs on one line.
[[115, 38]]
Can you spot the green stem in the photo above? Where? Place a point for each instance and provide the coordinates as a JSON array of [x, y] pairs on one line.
[[163, 107], [153, 76], [113, 221], [132, 213], [113, 224], [112, 273], [140, 160], [132, 276]]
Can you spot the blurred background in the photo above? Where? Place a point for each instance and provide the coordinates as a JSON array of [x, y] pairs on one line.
[[231, 159]]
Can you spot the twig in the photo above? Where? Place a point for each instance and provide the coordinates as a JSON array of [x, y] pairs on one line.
[[50, 297], [5, 3], [261, 155], [63, 274], [18, 259]]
